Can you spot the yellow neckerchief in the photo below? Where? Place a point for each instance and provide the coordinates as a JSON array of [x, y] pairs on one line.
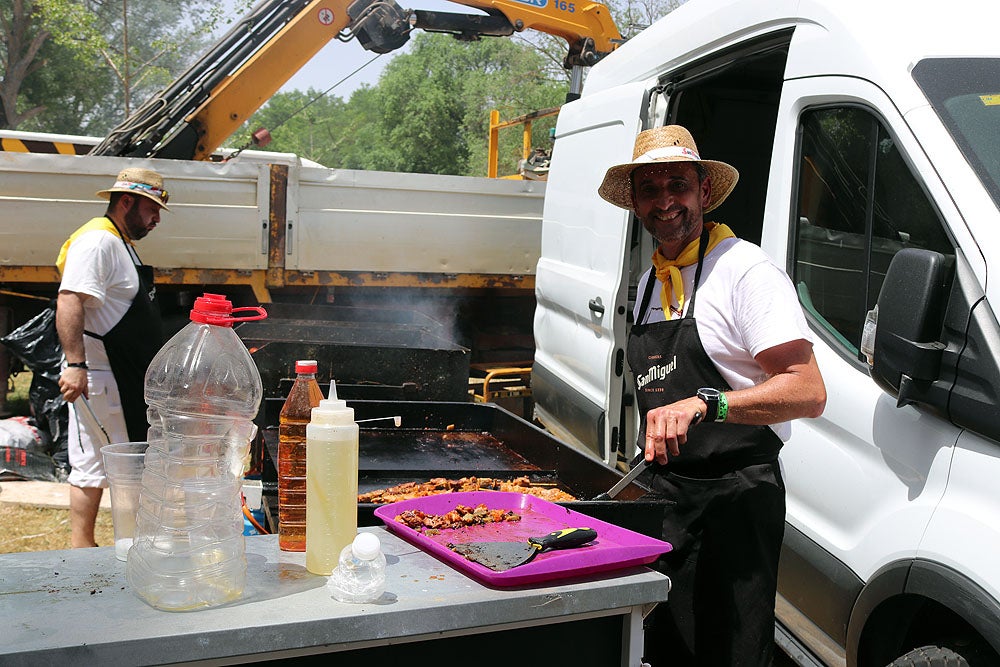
[[95, 223], [668, 271]]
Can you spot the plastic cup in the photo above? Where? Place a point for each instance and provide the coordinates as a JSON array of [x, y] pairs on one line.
[[124, 463]]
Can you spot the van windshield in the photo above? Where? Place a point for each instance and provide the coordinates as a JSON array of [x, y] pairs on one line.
[[965, 94]]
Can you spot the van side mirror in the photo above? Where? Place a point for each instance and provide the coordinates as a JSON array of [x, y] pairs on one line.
[[911, 310]]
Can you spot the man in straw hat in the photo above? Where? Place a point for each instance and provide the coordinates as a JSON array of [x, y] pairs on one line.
[[109, 327], [717, 391]]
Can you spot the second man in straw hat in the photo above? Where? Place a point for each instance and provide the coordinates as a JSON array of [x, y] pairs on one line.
[[109, 326], [717, 391]]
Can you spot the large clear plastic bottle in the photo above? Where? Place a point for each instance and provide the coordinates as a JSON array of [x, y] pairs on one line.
[[203, 390], [360, 572], [331, 483], [296, 412]]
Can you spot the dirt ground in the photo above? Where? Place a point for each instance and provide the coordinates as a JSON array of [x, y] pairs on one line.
[[28, 528]]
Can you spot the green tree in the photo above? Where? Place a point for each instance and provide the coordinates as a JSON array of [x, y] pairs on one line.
[[63, 75], [304, 123], [21, 40], [82, 64], [433, 103], [361, 125], [429, 112]]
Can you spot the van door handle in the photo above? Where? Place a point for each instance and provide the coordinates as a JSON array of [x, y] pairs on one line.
[[596, 306]]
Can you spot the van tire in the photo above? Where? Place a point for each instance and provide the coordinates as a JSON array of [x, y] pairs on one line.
[[930, 656]]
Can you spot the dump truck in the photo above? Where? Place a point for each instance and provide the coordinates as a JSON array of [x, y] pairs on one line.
[[268, 227]]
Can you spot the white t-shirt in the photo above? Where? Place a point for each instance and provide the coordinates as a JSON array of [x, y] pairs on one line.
[[99, 264], [745, 304]]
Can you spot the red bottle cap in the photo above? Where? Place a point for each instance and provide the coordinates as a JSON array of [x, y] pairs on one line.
[[217, 310], [306, 366]]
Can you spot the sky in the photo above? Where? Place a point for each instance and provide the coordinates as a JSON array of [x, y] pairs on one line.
[[337, 60]]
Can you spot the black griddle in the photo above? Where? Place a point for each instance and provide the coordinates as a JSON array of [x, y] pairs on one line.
[[454, 440]]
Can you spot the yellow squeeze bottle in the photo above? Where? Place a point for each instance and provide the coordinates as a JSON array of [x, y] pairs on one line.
[[331, 483]]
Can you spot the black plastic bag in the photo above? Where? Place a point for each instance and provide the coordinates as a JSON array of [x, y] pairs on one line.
[[36, 344]]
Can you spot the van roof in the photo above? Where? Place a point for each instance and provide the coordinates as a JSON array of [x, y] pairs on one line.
[[879, 40]]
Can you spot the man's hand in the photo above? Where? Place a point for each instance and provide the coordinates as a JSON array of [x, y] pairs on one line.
[[73, 384], [69, 325], [668, 425]]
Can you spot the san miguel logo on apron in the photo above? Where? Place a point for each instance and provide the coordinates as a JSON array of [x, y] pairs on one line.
[[655, 373]]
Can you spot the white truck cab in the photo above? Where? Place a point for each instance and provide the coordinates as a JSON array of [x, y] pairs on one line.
[[867, 136]]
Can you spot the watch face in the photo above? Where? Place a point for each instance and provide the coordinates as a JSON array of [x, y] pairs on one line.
[[711, 397]]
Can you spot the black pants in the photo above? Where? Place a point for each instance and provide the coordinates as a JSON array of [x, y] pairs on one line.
[[726, 533]]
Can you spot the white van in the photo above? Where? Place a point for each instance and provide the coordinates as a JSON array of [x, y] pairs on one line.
[[861, 128]]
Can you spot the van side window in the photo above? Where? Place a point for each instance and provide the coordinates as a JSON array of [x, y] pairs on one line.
[[858, 204]]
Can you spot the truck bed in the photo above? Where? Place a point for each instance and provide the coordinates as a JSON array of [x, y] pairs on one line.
[[269, 221]]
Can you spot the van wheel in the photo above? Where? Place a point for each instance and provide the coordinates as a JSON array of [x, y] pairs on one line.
[[930, 656]]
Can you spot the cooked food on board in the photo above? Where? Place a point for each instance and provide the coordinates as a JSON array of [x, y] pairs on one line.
[[460, 517], [410, 490]]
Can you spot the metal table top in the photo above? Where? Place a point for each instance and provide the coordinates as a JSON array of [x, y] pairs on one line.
[[75, 606]]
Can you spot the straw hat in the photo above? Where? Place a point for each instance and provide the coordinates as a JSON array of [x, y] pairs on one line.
[[670, 143], [139, 181]]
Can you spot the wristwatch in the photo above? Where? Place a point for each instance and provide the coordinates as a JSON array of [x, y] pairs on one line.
[[718, 408]]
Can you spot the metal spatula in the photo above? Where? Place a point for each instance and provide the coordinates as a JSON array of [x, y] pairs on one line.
[[501, 556], [637, 468]]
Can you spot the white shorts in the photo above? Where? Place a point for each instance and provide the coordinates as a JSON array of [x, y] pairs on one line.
[[86, 437]]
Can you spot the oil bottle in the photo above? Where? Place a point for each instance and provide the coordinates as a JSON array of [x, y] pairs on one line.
[[331, 483], [304, 395]]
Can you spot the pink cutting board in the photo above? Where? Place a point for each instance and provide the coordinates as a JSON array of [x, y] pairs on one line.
[[615, 547]]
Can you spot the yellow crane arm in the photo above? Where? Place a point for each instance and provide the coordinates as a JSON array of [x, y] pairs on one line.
[[573, 21], [203, 107], [239, 96]]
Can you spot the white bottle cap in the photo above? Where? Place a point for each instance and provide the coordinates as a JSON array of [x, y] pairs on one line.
[[333, 410], [366, 546]]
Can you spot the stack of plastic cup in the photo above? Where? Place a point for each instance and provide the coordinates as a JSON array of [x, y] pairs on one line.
[[124, 463]]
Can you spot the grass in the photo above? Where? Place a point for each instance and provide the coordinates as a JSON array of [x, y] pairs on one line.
[[17, 394], [44, 528]]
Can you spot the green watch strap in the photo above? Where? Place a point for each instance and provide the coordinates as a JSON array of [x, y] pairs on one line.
[[723, 408]]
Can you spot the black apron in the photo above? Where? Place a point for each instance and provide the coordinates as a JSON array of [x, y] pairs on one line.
[[728, 520], [131, 344]]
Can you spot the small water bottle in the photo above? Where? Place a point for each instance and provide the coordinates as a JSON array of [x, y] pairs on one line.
[[360, 573]]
